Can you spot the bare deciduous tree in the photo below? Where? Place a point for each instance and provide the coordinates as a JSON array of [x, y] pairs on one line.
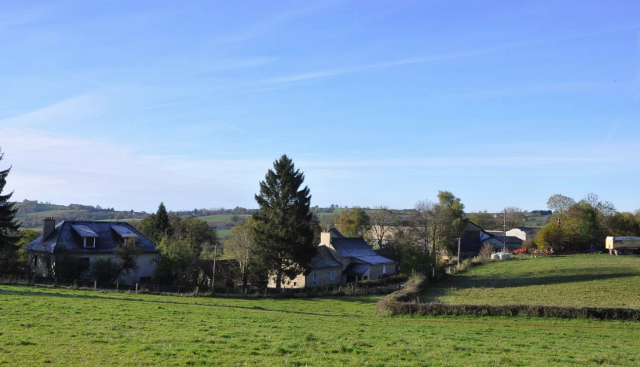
[[382, 222], [239, 245]]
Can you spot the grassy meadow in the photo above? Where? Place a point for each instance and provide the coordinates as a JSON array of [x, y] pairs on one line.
[[578, 280], [42, 326]]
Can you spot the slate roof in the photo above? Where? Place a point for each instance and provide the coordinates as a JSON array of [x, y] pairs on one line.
[[124, 231], [67, 236], [324, 259], [356, 269], [359, 249], [84, 231]]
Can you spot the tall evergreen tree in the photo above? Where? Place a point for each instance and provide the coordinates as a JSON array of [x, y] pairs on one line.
[[8, 224], [284, 226], [161, 222]]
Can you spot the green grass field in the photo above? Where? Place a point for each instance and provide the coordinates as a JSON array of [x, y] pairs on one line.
[[223, 233], [220, 218], [54, 327], [578, 280]]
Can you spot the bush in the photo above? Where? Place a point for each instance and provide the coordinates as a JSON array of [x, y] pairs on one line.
[[70, 266], [439, 309], [105, 269], [485, 253], [416, 261], [410, 292]]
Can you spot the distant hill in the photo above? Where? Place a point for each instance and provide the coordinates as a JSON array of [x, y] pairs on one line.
[[32, 212]]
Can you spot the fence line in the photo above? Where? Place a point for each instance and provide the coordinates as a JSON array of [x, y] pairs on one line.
[[351, 289]]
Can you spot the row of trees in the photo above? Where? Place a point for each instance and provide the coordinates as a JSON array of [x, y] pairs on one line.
[[575, 226]]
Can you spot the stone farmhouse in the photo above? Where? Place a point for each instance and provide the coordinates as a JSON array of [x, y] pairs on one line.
[[341, 260], [89, 240]]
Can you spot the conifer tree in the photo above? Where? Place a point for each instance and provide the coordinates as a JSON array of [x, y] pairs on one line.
[[284, 226], [161, 222], [8, 225]]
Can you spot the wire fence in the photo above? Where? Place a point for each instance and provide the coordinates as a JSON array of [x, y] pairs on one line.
[[350, 289]]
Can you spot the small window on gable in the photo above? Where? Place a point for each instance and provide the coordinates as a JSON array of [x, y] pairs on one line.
[[89, 242], [333, 274]]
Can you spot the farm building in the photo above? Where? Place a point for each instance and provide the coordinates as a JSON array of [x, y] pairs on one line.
[[341, 260], [359, 260], [89, 241]]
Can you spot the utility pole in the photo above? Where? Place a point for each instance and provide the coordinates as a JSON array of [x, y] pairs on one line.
[[504, 231], [213, 276]]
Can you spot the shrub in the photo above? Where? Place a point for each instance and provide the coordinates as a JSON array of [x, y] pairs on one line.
[[439, 309], [70, 266], [105, 269], [410, 292], [485, 252]]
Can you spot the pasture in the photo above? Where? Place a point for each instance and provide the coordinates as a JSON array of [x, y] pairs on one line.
[[59, 327], [578, 280]]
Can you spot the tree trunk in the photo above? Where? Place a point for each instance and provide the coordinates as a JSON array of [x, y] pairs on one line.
[[244, 280], [279, 279]]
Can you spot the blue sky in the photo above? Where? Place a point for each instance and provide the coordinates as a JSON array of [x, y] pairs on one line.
[[128, 103]]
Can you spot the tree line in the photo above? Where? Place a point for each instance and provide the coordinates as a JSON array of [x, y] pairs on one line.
[[576, 225], [279, 240]]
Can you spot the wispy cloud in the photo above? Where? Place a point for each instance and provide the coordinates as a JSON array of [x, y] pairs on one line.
[[64, 168], [74, 108], [429, 59], [231, 64], [263, 26]]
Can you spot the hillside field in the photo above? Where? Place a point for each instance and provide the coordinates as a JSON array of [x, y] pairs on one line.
[[578, 280], [57, 327]]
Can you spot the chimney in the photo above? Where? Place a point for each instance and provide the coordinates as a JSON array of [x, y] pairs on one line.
[[325, 238], [49, 225]]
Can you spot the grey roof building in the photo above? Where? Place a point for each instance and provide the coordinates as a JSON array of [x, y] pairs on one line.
[[359, 260], [88, 241], [88, 237]]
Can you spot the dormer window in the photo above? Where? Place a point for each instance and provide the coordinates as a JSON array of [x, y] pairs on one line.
[[89, 242], [125, 233], [87, 235]]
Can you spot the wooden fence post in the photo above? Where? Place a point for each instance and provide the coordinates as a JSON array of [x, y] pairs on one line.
[[95, 285], [117, 286], [75, 284], [136, 287], [197, 289], [55, 281]]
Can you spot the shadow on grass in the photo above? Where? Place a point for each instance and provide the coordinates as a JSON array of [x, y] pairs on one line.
[[72, 295]]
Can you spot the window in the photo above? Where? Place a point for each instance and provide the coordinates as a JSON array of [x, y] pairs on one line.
[[315, 279], [35, 260], [89, 242], [333, 275], [384, 269], [364, 277]]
